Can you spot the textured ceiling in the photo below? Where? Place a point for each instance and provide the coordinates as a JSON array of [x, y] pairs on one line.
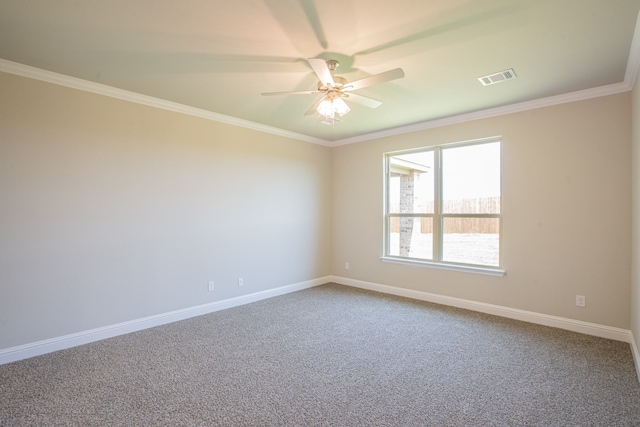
[[220, 56]]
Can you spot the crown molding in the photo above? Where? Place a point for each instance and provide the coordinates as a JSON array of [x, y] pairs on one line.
[[125, 95], [633, 66], [491, 112]]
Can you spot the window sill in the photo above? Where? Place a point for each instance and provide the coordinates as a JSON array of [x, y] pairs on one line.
[[442, 266]]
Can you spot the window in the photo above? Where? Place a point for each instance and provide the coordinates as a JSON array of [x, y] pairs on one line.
[[443, 205]]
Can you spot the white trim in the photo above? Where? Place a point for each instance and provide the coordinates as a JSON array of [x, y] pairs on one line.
[[586, 328], [25, 351], [636, 355], [87, 86], [125, 95], [443, 266], [596, 92]]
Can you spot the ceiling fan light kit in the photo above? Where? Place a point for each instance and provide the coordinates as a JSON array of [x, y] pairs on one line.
[[329, 107], [335, 88]]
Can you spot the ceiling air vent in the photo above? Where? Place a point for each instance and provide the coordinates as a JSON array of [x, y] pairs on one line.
[[497, 77]]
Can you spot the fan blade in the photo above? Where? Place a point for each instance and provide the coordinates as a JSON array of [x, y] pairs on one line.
[[458, 28], [375, 79], [296, 19], [314, 107], [366, 101], [302, 92], [322, 71]]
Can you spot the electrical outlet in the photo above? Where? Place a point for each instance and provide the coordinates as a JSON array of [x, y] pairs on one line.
[[346, 265], [211, 285], [581, 301], [240, 281]]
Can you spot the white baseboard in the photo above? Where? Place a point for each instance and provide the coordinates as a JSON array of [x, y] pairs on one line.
[[25, 351], [511, 313]]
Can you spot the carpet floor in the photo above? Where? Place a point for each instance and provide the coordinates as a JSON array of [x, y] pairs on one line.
[[330, 356]]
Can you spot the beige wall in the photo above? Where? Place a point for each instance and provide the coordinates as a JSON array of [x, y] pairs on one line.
[[635, 252], [112, 211], [566, 205]]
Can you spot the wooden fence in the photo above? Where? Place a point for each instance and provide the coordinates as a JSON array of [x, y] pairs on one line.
[[461, 225]]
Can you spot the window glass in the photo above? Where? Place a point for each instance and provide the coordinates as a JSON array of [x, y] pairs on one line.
[[471, 179], [471, 241], [444, 204], [411, 237], [411, 183]]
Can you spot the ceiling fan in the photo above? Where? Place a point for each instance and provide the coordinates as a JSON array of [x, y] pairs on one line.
[[336, 89]]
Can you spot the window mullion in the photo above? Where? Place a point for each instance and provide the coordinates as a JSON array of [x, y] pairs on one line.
[[387, 207], [470, 215], [437, 206], [410, 215]]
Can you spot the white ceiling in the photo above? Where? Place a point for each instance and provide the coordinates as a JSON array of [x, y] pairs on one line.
[[219, 56]]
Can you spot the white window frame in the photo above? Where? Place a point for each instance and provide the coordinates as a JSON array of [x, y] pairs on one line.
[[437, 216]]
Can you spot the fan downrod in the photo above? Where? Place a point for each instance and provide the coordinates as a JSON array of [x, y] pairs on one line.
[[339, 81], [332, 64]]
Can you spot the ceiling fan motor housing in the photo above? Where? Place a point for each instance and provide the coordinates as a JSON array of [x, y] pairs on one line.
[[339, 83], [335, 87]]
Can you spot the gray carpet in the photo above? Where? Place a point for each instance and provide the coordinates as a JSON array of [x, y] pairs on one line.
[[330, 356]]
